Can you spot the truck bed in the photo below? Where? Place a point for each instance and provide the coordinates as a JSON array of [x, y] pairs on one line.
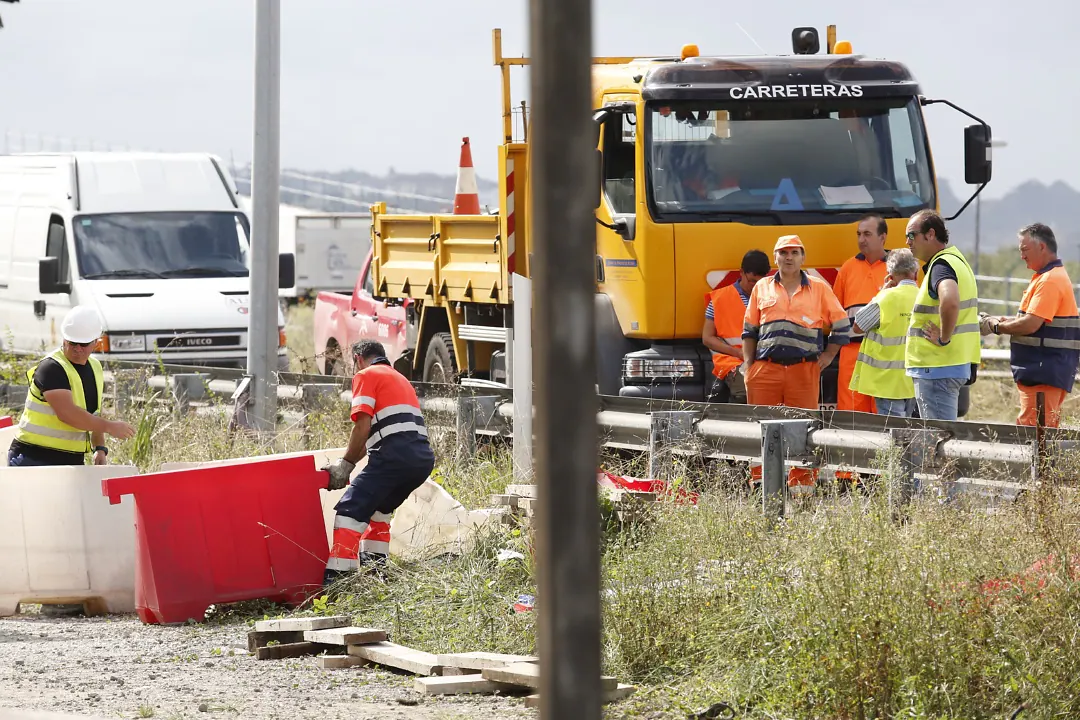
[[440, 258]]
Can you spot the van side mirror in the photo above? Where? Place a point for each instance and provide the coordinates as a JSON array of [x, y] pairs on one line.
[[286, 271], [49, 277], [977, 161]]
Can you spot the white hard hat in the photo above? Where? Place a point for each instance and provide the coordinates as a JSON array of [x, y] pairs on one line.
[[82, 324]]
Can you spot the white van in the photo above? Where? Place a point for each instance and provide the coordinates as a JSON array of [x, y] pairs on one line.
[[156, 242]]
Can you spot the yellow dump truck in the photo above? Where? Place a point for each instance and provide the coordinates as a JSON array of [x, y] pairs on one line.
[[703, 159]]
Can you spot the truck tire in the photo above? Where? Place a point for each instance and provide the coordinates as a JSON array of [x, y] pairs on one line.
[[333, 363], [440, 362]]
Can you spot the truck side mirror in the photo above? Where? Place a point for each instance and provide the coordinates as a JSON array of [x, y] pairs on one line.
[[286, 270], [977, 161], [49, 277]]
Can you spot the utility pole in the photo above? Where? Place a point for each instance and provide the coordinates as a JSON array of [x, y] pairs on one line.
[[565, 184], [265, 201]]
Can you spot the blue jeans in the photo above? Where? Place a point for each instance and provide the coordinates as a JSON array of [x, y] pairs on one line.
[[938, 398], [894, 408]]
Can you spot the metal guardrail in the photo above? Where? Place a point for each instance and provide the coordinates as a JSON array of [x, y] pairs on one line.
[[724, 432]]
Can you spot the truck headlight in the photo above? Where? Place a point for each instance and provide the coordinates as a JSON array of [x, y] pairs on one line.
[[658, 369], [126, 343]]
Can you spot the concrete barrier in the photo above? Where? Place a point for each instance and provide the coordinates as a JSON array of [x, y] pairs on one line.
[[62, 542]]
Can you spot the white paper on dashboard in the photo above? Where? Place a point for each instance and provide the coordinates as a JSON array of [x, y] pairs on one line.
[[847, 195]]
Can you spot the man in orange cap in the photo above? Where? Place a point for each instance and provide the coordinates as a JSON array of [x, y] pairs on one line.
[[793, 327]]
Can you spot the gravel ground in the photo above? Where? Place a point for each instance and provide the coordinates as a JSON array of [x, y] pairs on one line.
[[117, 667]]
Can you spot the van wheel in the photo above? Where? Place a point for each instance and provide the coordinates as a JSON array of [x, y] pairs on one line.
[[440, 362]]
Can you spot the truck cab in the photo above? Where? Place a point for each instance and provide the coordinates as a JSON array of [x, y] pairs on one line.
[[699, 159]]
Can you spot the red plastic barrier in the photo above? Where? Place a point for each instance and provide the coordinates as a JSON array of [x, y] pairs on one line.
[[223, 534], [6, 421]]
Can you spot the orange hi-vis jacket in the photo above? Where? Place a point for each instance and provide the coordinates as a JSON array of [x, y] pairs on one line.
[[857, 283], [389, 398], [794, 328], [728, 311]]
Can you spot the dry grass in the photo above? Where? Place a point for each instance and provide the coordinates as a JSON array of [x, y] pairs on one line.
[[837, 612]]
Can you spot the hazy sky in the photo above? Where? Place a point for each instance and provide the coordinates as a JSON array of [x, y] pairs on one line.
[[370, 85]]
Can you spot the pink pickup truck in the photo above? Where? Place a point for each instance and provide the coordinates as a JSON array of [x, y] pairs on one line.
[[341, 320]]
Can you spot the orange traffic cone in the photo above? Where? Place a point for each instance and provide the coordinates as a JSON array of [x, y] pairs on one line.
[[466, 194]]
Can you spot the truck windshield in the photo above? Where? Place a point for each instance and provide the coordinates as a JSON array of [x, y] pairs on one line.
[[788, 162], [169, 244]]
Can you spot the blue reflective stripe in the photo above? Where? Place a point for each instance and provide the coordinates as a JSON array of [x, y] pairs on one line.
[[1048, 356]]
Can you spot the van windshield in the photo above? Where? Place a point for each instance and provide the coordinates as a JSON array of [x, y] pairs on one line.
[[168, 244], [788, 162]]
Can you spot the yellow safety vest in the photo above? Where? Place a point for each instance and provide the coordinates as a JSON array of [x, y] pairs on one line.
[[39, 424], [963, 346], [879, 370]]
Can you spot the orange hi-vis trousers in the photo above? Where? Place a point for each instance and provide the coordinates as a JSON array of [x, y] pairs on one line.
[[799, 386], [353, 538], [1053, 397], [848, 399]]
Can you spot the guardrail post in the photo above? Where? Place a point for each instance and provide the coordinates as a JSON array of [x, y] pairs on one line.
[[125, 386], [14, 396], [918, 453], [780, 439], [667, 429], [466, 425], [241, 399], [187, 387]]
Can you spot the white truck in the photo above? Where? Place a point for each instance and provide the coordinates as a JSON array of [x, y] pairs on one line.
[[329, 248], [156, 242]]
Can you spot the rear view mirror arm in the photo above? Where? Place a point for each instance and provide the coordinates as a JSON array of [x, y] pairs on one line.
[[929, 101]]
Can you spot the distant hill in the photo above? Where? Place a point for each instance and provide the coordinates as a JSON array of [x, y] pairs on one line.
[[1057, 205]]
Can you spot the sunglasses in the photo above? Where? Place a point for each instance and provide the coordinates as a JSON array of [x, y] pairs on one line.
[[82, 345], [913, 235]]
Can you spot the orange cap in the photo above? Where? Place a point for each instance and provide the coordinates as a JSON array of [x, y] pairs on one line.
[[789, 241]]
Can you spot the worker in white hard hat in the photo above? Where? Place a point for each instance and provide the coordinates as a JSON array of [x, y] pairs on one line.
[[61, 420]]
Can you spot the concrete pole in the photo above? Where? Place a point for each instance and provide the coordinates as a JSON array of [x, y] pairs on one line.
[[564, 182], [522, 380], [265, 194]]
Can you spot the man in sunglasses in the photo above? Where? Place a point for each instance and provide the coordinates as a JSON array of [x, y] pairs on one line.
[[943, 349], [61, 419]]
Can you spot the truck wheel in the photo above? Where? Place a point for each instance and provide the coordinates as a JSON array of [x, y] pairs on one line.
[[333, 363], [440, 363]]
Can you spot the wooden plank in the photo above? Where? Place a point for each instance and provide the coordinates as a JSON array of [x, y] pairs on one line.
[[289, 650], [619, 693], [346, 636], [482, 660], [528, 675], [459, 685], [398, 656], [525, 491], [334, 662], [258, 639], [307, 623]]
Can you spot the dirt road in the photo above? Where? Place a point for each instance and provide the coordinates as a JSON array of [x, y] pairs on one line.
[[118, 667]]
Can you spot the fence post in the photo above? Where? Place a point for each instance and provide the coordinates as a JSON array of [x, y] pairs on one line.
[[186, 388], [780, 439], [667, 428], [466, 426]]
